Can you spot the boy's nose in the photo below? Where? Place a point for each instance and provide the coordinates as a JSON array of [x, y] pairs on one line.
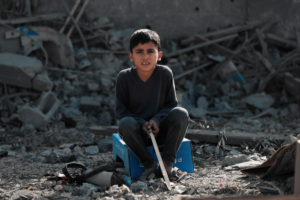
[[145, 55]]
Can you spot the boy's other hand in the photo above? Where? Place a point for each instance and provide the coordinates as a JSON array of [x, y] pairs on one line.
[[145, 129], [153, 125]]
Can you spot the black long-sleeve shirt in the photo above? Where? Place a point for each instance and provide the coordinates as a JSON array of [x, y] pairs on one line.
[[153, 99]]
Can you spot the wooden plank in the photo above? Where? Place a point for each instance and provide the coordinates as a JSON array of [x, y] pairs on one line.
[[221, 49], [279, 41], [287, 197], [162, 166], [78, 16], [35, 18], [200, 135], [69, 18], [297, 171], [198, 46], [224, 32], [192, 70]]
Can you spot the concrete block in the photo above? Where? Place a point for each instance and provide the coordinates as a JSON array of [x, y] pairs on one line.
[[261, 101], [88, 104], [58, 46], [40, 115], [19, 71], [234, 159]]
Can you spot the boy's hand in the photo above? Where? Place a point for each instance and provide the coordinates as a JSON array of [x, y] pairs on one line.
[[153, 125], [145, 129], [150, 126]]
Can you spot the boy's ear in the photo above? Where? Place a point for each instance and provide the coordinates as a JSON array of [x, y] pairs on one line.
[[130, 56], [160, 54]]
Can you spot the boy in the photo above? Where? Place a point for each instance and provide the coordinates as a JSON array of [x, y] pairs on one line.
[[146, 101]]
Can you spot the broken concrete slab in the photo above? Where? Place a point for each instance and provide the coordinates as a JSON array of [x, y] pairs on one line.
[[23, 71], [39, 116], [234, 159], [88, 104], [58, 46], [261, 100]]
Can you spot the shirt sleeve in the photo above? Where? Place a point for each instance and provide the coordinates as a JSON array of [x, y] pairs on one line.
[[170, 100], [121, 102]]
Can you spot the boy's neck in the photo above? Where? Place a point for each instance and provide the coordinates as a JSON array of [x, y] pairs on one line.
[[144, 76]]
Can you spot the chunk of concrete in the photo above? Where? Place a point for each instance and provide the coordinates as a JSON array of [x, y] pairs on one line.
[[92, 150], [58, 46], [88, 104], [261, 101], [23, 71], [289, 139], [105, 145], [234, 159], [40, 115], [202, 102]]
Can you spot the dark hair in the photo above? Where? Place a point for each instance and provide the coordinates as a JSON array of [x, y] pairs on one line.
[[144, 36]]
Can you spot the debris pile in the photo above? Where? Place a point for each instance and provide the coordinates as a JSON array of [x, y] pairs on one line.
[[55, 85]]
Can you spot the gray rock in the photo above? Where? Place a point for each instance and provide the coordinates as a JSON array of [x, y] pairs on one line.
[[105, 119], [92, 150], [59, 152], [261, 101], [47, 152], [131, 196], [79, 191], [23, 194], [234, 159], [139, 186], [12, 153], [202, 102], [105, 145], [209, 149], [234, 152], [71, 113], [289, 139], [225, 88]]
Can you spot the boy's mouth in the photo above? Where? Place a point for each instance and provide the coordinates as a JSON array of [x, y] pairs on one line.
[[145, 63]]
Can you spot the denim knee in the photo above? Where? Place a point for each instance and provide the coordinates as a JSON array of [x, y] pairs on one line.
[[179, 114], [127, 125]]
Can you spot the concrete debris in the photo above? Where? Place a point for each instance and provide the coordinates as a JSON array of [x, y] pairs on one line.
[[234, 159], [92, 150], [243, 103], [23, 71], [261, 101], [23, 194], [105, 145], [88, 104], [58, 46], [40, 115], [139, 186], [243, 165], [289, 139]]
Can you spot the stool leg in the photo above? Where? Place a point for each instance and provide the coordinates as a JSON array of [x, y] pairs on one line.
[[130, 132]]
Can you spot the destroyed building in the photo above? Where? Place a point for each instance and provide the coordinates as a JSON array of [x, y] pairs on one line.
[[236, 70]]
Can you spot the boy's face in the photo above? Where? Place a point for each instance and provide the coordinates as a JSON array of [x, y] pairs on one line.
[[145, 56]]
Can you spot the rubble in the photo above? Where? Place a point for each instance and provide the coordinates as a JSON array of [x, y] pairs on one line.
[[23, 71], [240, 86]]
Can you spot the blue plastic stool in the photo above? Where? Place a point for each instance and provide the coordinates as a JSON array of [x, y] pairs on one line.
[[133, 166]]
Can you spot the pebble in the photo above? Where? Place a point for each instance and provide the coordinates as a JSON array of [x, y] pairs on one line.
[[92, 150]]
